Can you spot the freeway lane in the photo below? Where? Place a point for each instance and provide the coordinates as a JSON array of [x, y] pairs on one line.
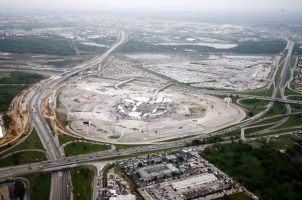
[[50, 144], [61, 163], [61, 181], [66, 162], [281, 82]]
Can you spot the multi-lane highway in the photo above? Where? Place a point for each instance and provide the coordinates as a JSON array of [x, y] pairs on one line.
[[58, 163], [61, 180]]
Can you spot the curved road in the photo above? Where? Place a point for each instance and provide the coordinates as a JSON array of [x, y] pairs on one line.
[[58, 163], [61, 180]]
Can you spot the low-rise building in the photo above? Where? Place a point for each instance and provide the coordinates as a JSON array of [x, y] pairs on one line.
[[157, 171]]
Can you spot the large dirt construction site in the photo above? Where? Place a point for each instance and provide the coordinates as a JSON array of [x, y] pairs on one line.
[[141, 110]]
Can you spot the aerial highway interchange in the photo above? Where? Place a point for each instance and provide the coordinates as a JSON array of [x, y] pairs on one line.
[[151, 99]]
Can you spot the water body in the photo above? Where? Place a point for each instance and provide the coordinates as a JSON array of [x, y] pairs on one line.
[[94, 44], [213, 45]]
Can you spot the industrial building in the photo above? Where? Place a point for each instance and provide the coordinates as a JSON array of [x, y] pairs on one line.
[[194, 181], [180, 175], [158, 171]]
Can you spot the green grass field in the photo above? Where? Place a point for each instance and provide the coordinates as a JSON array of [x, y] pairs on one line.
[[82, 180], [267, 121], [20, 158], [292, 122], [277, 109], [266, 93], [4, 74], [39, 185], [299, 98], [66, 138], [78, 148], [31, 142], [255, 129], [253, 102], [252, 106], [288, 92], [127, 146], [278, 73], [7, 93]]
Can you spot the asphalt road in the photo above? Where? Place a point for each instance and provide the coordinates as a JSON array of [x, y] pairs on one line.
[[57, 162], [61, 187]]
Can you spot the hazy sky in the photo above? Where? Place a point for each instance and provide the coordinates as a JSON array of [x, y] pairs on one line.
[[202, 5]]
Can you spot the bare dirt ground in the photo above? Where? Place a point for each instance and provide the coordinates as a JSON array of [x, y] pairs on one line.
[[95, 100], [18, 113]]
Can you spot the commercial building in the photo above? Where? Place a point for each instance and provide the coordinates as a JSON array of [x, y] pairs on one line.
[[158, 171], [194, 181]]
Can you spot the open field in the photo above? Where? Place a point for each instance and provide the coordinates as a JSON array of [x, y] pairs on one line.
[[95, 111], [20, 158], [254, 102], [39, 185], [77, 148], [31, 142], [82, 178]]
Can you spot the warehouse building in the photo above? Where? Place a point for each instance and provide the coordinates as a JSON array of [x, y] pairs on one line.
[[159, 171]]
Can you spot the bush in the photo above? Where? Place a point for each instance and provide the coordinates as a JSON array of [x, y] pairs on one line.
[[196, 142]]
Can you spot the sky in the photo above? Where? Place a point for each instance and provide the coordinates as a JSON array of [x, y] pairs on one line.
[[169, 5]]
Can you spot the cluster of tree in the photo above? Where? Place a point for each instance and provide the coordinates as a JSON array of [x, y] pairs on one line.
[[278, 108], [295, 150], [263, 170], [209, 140], [139, 46], [196, 142], [259, 47], [20, 78], [45, 45], [245, 47], [105, 40], [7, 94], [85, 49], [297, 49]]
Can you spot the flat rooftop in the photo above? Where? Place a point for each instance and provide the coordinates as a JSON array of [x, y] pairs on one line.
[[159, 170], [194, 181]]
